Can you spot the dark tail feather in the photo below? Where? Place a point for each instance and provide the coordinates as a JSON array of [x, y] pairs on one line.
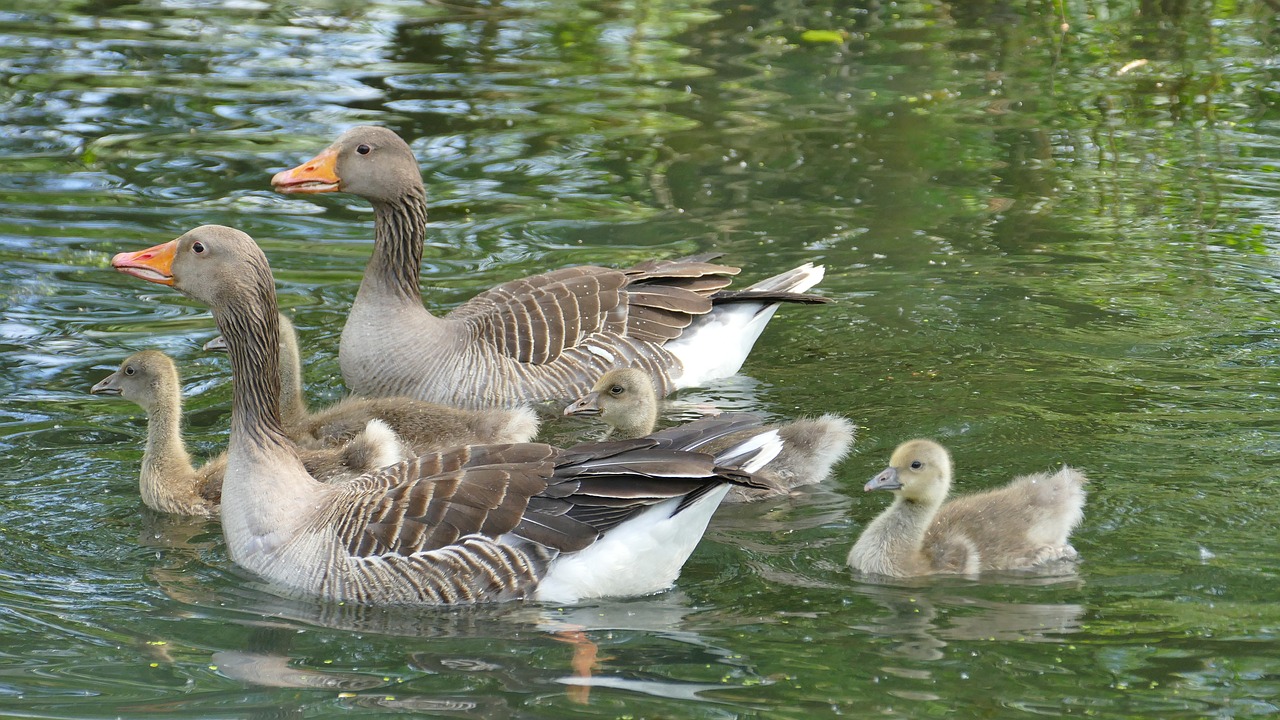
[[728, 296]]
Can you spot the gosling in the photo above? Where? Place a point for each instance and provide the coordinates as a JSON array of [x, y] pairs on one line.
[[170, 483], [1021, 526], [626, 401]]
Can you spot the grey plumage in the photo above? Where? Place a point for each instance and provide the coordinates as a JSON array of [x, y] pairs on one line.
[[422, 426]]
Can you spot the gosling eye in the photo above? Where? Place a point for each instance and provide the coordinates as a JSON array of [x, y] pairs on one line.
[[616, 390], [363, 149], [128, 370], [916, 464], [197, 247]]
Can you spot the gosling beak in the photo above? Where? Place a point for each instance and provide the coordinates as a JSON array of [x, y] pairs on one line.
[[105, 386], [155, 264], [886, 480], [317, 175], [588, 404], [218, 344]]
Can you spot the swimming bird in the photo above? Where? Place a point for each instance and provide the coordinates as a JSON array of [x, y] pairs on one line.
[[479, 523], [543, 337], [422, 426], [1020, 526], [627, 402], [170, 483]]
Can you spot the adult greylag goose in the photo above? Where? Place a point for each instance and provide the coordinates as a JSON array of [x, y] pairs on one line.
[[482, 522], [625, 400], [170, 483], [422, 426], [543, 337], [1017, 527]]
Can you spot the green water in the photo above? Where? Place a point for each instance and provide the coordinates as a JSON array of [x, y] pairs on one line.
[[1041, 252]]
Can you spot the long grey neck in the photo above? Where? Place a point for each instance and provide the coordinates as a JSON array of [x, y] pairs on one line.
[[400, 226], [252, 331]]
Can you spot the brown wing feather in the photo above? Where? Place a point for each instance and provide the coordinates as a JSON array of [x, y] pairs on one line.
[[428, 503], [604, 484], [690, 267], [534, 319], [561, 500]]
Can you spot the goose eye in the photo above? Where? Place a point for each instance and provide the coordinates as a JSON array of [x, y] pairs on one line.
[[916, 464], [363, 149], [197, 247], [128, 370], [615, 390]]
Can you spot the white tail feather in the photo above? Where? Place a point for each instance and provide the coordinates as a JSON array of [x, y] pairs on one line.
[[753, 454], [388, 450]]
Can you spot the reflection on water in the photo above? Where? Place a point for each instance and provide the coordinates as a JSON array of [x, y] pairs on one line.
[[603, 644], [276, 671], [1041, 253], [922, 624]]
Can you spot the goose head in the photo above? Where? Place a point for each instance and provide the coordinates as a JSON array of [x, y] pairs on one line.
[[369, 161], [143, 378], [919, 471], [213, 264], [624, 399]]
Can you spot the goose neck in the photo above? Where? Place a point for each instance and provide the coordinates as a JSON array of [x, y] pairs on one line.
[[400, 227], [253, 339]]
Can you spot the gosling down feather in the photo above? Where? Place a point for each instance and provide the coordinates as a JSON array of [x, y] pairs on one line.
[[626, 401], [170, 483], [422, 426], [1020, 526], [541, 338], [479, 523]]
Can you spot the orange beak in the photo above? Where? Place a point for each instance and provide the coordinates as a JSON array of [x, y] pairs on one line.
[[154, 264], [317, 175]]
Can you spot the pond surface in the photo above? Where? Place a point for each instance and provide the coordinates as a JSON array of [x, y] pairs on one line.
[[1052, 231]]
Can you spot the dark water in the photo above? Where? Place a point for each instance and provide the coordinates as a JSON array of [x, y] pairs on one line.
[[1051, 229]]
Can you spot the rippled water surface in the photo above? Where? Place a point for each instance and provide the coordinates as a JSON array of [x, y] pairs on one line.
[[1050, 229]]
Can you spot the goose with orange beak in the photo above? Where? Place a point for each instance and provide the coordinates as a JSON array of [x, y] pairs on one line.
[[538, 338]]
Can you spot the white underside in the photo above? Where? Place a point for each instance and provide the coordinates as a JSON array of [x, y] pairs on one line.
[[716, 344], [639, 557]]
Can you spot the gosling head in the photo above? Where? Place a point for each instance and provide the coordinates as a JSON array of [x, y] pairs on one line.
[[624, 399], [919, 471], [143, 377]]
